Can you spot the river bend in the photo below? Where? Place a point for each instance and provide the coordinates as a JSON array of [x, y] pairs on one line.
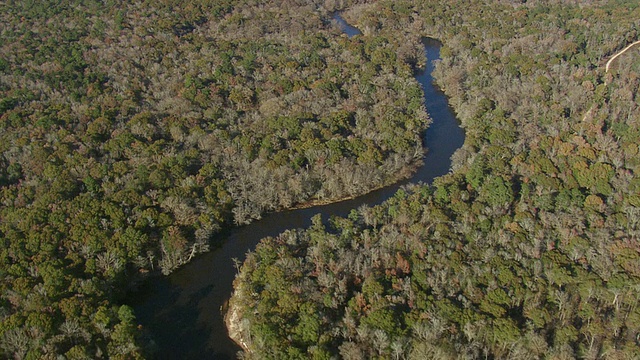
[[183, 310]]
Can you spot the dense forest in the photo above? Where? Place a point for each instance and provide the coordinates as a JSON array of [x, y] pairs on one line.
[[527, 249], [131, 133]]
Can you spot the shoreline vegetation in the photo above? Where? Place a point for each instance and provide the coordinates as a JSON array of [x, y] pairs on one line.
[[233, 320], [403, 174], [131, 134], [237, 327], [528, 249]]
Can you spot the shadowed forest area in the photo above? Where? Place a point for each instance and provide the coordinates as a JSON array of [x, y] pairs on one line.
[[133, 133]]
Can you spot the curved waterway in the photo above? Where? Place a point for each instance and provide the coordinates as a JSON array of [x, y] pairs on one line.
[[183, 310]]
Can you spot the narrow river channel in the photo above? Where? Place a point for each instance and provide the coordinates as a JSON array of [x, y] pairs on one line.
[[183, 311]]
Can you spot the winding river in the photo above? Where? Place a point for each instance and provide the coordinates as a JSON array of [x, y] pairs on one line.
[[183, 310]]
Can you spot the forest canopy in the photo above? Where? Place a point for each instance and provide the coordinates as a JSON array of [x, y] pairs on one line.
[[132, 133], [527, 249]]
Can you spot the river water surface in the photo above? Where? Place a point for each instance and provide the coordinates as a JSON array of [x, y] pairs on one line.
[[182, 311]]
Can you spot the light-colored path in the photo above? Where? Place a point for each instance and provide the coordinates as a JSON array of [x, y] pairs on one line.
[[606, 69]]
